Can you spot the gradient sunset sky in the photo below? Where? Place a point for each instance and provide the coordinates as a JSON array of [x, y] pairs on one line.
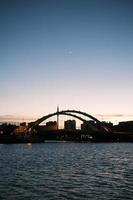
[[77, 54]]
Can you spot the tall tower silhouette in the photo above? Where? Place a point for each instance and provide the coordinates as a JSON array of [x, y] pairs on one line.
[[57, 117]]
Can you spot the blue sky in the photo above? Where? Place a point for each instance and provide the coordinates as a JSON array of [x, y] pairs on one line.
[[73, 53]]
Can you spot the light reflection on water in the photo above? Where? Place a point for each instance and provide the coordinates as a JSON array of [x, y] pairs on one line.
[[66, 171]]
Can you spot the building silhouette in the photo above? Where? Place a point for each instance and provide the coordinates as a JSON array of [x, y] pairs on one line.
[[51, 125], [70, 125], [86, 125], [126, 126]]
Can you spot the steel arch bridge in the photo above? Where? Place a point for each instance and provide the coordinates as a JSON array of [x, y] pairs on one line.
[[101, 126]]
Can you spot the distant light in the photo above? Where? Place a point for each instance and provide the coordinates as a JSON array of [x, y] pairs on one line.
[[29, 144], [70, 52]]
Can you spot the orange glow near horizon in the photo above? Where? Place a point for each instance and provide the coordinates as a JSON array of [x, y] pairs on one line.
[[115, 119]]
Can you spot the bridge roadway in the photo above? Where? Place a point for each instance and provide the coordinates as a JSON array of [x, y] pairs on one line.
[[74, 135]]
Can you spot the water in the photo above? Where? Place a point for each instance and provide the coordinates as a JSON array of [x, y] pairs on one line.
[[71, 171]]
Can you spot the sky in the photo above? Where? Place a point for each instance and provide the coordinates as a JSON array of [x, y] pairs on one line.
[[77, 54]]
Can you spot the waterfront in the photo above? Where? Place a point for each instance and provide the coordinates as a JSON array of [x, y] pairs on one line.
[[66, 171]]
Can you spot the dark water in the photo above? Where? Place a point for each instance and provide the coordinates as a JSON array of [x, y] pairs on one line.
[[66, 171]]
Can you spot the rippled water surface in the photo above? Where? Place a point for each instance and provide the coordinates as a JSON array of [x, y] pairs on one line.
[[66, 171]]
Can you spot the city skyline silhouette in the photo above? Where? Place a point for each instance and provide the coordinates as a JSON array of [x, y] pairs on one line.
[[77, 54]]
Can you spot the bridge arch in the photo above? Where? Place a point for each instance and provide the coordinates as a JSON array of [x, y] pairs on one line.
[[69, 113]]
